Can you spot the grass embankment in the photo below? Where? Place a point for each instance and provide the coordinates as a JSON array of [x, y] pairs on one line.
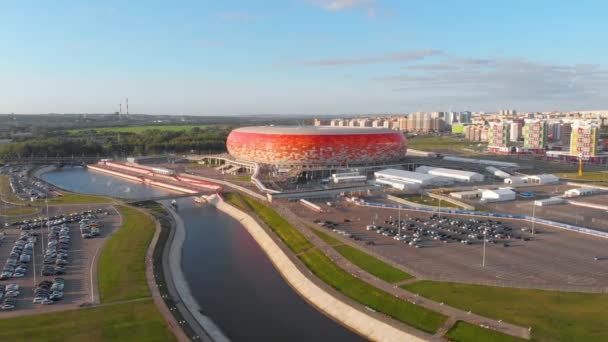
[[19, 211], [360, 291], [599, 176], [138, 129], [364, 293], [136, 321], [367, 262], [330, 240], [430, 201], [122, 269], [446, 143], [292, 237], [553, 315], [466, 332], [372, 265]]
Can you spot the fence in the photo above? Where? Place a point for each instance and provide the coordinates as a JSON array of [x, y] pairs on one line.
[[560, 225]]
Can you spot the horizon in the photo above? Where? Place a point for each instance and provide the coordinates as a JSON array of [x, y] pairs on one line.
[[302, 57]]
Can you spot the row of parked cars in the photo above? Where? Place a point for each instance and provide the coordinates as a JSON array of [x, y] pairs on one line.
[[47, 292], [89, 228], [55, 220], [25, 188], [56, 254], [16, 264], [335, 227], [8, 296]]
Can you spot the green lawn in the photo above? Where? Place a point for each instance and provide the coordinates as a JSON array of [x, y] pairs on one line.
[[137, 321], [601, 177], [372, 265], [19, 211], [139, 129], [553, 316], [291, 236], [430, 201], [325, 237], [242, 178], [74, 198], [446, 143], [466, 332], [364, 293], [122, 260]]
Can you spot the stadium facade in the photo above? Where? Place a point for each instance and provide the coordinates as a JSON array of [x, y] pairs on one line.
[[314, 146]]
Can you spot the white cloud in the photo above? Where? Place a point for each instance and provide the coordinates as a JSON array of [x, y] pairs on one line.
[[401, 56], [340, 5]]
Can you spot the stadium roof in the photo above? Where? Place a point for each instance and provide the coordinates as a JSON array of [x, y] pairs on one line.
[[313, 130]]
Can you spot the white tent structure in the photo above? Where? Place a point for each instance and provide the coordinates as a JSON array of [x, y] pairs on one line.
[[457, 175]]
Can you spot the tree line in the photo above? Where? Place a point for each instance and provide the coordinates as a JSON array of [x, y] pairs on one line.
[[91, 143]]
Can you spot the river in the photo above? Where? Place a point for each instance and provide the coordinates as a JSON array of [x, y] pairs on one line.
[[228, 273]]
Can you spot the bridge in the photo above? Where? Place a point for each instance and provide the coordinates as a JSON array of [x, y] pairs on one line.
[[172, 196]]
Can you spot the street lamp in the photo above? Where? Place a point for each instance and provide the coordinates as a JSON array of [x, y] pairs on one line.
[[483, 260]]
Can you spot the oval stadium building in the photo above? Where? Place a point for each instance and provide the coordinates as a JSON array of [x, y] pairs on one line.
[[316, 146]]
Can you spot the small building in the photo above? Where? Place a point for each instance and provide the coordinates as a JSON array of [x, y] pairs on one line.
[[543, 179], [397, 184], [549, 201], [581, 192], [498, 195], [516, 180], [466, 194], [457, 175]]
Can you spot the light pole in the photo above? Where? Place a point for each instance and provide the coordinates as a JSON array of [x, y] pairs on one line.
[[483, 260], [533, 217], [399, 221]]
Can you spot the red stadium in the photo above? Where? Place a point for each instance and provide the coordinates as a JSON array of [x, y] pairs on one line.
[[316, 146]]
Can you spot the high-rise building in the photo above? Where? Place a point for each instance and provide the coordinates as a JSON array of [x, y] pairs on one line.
[[464, 117], [584, 139], [515, 131], [498, 134], [565, 132], [535, 134]]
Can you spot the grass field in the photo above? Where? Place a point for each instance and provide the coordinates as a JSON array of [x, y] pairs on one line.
[[74, 198], [291, 236], [242, 178], [601, 177], [447, 143], [553, 316], [430, 201], [139, 129], [122, 260], [364, 293], [19, 211], [136, 321], [372, 265], [466, 332], [325, 237]]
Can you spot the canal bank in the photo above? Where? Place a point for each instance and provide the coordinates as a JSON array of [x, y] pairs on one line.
[[358, 321]]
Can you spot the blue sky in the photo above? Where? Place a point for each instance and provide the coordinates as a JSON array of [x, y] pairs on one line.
[[208, 57]]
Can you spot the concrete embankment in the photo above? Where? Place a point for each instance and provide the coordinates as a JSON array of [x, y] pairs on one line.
[[358, 321], [178, 280]]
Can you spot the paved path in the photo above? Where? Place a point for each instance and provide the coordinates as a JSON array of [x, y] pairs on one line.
[[156, 296]]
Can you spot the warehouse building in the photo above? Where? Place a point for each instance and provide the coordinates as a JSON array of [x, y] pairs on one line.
[[581, 192], [499, 195], [401, 179], [456, 175], [543, 179], [466, 194]]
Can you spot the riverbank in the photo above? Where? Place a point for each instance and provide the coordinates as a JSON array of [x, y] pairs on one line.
[[364, 324], [178, 286]]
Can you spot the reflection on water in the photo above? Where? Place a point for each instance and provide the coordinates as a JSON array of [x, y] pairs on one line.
[[90, 182]]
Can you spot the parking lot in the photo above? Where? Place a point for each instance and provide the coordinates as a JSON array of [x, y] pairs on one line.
[[552, 258], [60, 248]]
